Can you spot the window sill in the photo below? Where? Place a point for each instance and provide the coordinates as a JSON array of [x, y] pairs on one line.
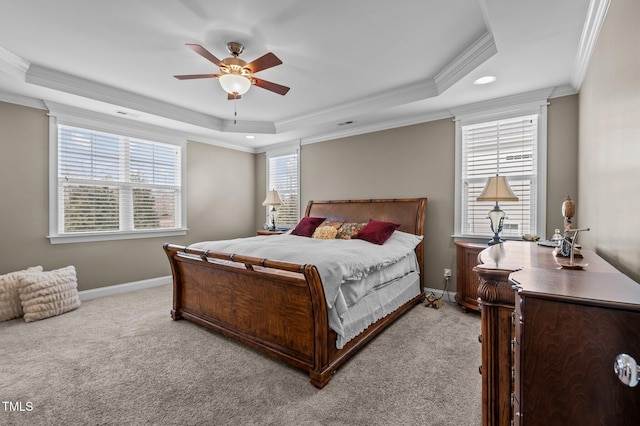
[[113, 236], [482, 238]]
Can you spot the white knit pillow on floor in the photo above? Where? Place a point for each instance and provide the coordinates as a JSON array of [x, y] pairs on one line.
[[46, 294], [10, 306]]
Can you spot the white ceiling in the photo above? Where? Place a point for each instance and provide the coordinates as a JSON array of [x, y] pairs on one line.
[[377, 63]]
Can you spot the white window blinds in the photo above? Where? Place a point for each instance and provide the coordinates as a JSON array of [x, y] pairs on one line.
[[283, 177], [507, 147], [113, 183]]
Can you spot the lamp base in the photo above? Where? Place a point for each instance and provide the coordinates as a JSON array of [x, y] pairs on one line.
[[273, 213], [496, 216], [496, 240]]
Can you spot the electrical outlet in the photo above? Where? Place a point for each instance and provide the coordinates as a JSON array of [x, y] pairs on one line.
[[447, 273]]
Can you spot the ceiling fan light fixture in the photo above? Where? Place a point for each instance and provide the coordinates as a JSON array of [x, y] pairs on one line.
[[234, 84]]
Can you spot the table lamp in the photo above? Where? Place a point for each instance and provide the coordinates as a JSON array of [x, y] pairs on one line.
[[273, 200], [497, 189]]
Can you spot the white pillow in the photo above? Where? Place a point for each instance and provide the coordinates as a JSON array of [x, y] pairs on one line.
[[46, 294], [406, 239], [10, 306]]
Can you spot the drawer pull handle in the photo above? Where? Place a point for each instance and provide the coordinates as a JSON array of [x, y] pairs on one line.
[[627, 370]]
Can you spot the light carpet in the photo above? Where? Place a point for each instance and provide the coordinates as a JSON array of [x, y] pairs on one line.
[[121, 360]]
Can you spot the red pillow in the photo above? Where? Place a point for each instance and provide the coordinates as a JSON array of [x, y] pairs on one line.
[[307, 225], [376, 232]]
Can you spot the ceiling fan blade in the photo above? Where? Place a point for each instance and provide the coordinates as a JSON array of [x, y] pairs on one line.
[[191, 76], [205, 54], [232, 97], [265, 61], [277, 88]]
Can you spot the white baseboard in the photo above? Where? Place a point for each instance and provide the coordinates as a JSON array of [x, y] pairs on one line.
[[123, 288], [446, 296], [153, 282]]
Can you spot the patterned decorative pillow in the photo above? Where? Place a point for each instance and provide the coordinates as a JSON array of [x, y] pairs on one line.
[[335, 223], [47, 294], [325, 233], [349, 229], [10, 306], [331, 223]]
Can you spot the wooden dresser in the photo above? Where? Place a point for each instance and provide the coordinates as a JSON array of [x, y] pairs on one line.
[[550, 337]]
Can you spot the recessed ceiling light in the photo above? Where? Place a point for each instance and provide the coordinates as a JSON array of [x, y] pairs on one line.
[[250, 137], [486, 79]]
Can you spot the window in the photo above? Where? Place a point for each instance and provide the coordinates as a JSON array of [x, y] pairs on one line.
[[511, 146], [282, 175], [110, 186]]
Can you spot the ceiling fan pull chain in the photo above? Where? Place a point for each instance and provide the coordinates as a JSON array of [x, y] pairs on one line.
[[235, 109]]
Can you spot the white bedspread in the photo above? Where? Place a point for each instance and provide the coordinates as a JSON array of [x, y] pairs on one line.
[[338, 261]]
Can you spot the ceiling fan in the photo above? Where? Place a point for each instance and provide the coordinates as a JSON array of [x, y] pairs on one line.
[[236, 76]]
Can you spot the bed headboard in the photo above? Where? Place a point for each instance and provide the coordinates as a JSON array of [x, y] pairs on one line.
[[408, 212]]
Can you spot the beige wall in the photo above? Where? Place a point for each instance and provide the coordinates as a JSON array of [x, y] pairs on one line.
[[213, 210], [261, 190], [418, 161], [562, 158], [225, 189], [609, 161], [412, 161]]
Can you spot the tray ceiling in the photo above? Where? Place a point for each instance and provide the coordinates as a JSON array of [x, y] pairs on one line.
[[376, 64]]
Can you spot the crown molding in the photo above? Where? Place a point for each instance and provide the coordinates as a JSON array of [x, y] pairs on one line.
[[56, 80], [74, 116], [406, 94], [282, 148], [596, 15], [12, 64], [564, 90], [215, 142], [504, 104], [12, 98], [376, 127], [472, 57]]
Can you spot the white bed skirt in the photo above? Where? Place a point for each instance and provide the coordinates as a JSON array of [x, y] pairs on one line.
[[373, 306]]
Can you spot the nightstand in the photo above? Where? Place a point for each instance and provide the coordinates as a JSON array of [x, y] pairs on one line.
[[267, 232], [467, 288]]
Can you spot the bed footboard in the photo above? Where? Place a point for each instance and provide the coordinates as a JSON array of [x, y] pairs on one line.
[[276, 307]]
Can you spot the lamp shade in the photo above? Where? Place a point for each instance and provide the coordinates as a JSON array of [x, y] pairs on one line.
[[273, 199], [234, 84], [497, 189]]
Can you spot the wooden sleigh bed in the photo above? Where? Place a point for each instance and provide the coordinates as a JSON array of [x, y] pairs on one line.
[[278, 307]]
